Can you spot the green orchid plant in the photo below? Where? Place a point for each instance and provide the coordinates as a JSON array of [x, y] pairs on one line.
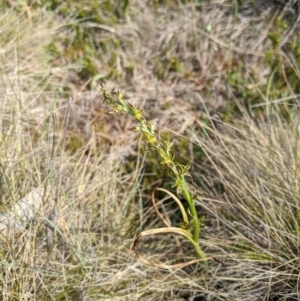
[[163, 152]]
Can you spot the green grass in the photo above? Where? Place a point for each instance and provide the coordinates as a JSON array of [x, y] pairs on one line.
[[226, 95]]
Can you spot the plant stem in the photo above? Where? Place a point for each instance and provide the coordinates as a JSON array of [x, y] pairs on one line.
[[192, 207], [162, 150]]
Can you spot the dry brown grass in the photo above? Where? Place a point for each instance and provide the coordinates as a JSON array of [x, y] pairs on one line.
[[247, 181], [250, 193]]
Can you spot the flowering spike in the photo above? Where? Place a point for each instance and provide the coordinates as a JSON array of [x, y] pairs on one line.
[[161, 150]]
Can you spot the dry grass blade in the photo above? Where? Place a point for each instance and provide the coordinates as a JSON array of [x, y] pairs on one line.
[[187, 235], [168, 229], [182, 210]]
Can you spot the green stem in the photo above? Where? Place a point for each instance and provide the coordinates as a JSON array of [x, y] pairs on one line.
[[196, 235], [192, 209], [197, 248]]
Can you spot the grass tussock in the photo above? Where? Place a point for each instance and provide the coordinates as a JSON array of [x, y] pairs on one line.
[[226, 95], [250, 195]]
